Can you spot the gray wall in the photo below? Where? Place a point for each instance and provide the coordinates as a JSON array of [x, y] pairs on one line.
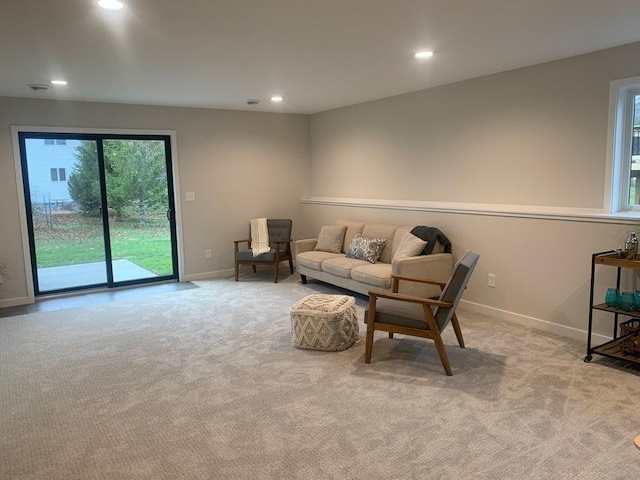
[[241, 165], [534, 137]]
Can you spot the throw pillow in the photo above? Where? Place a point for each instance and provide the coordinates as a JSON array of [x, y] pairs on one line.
[[330, 238], [409, 246], [364, 248]]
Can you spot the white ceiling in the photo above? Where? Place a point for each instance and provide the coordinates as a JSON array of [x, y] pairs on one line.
[[319, 54]]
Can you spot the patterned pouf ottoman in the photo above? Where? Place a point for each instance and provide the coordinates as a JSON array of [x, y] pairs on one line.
[[324, 322]]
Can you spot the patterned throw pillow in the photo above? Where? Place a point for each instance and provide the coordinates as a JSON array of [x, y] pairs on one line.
[[330, 238], [364, 248], [409, 246]]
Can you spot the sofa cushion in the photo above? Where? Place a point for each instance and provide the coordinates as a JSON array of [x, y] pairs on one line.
[[313, 259], [330, 238], [341, 266], [397, 238], [377, 275], [373, 230], [410, 246], [353, 228], [365, 248]]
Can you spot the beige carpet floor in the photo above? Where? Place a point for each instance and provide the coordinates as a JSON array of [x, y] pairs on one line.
[[205, 384]]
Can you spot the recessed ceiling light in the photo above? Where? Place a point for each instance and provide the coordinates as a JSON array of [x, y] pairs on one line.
[[424, 54], [276, 98], [111, 4], [59, 82], [38, 87]]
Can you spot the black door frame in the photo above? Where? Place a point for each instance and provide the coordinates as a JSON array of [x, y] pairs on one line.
[[99, 138]]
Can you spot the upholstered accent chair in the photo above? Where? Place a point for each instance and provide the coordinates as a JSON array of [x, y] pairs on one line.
[[280, 242], [393, 312]]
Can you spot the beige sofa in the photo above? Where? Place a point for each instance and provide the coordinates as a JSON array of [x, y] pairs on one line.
[[361, 276]]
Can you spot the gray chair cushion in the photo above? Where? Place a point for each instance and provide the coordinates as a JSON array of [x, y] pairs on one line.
[[402, 314], [247, 255], [279, 230]]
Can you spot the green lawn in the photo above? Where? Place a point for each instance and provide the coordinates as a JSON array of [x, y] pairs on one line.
[[76, 239]]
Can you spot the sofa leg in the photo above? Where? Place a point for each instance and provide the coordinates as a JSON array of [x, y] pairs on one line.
[[304, 279]]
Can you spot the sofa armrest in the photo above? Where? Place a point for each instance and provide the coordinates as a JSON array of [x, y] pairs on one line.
[[437, 267], [304, 245]]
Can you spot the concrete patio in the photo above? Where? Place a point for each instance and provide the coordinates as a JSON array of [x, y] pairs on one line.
[[69, 276]]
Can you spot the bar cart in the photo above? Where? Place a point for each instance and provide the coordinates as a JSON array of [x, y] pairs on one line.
[[616, 348]]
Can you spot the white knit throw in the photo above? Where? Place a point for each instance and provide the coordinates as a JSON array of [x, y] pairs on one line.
[[259, 236]]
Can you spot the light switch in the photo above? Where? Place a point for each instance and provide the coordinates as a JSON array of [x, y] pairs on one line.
[[190, 196]]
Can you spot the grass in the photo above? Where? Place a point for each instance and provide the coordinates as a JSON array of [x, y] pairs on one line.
[[76, 239]]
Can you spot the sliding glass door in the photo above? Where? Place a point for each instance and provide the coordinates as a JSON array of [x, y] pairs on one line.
[[100, 210]]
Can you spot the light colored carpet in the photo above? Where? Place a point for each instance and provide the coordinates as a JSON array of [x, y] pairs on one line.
[[204, 384]]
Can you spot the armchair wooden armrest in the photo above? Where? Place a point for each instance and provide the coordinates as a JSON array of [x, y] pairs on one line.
[[285, 242], [395, 280], [236, 243], [286, 249], [375, 294]]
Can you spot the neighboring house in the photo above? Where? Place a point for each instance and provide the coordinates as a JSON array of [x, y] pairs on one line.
[[50, 162]]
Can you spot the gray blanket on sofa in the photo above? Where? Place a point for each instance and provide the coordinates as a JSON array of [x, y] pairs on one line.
[[430, 235]]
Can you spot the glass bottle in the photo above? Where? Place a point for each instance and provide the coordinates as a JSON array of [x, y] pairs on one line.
[[631, 246]]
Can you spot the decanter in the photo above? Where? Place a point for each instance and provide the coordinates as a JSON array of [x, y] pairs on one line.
[[631, 246]]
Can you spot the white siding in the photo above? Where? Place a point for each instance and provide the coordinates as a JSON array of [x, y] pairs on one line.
[[41, 159]]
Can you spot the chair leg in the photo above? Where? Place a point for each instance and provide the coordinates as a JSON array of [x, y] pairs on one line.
[[275, 272], [303, 279], [456, 328], [368, 344], [369, 340], [442, 353], [390, 334], [237, 270], [254, 268], [291, 265]]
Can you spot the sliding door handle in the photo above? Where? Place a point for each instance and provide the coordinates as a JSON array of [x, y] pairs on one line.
[[170, 215]]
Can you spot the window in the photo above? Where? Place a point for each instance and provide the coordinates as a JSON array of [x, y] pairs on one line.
[[55, 141], [625, 97], [58, 175]]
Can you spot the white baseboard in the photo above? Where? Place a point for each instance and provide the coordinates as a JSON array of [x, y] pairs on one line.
[[208, 275], [14, 302], [215, 274], [532, 322]]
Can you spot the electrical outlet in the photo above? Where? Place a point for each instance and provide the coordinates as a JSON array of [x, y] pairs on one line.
[[207, 253], [492, 280], [190, 196]]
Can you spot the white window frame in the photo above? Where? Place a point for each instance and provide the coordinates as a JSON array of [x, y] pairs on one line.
[[621, 105]]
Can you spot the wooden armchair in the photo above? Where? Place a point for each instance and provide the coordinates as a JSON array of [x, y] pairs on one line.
[[393, 312], [280, 242]]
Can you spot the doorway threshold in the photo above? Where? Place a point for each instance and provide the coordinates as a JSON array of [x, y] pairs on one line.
[[85, 298]]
